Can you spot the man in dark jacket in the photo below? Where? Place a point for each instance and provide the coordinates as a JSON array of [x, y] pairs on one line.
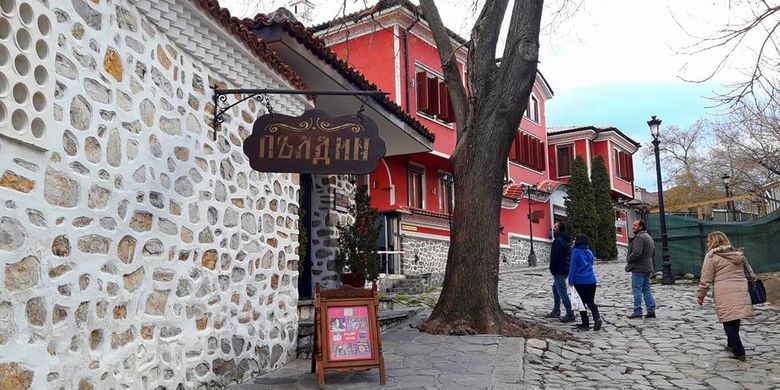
[[640, 263], [559, 268]]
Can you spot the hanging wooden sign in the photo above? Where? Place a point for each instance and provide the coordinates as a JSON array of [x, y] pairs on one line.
[[347, 335], [314, 143]]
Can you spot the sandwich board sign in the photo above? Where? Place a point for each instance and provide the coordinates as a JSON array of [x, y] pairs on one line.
[[347, 335]]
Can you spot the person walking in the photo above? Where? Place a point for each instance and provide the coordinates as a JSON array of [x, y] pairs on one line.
[[559, 268], [583, 278], [640, 263], [726, 269]]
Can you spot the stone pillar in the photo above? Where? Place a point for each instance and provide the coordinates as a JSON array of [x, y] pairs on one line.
[[325, 217]]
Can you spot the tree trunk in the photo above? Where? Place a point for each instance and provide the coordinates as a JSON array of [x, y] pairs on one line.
[[468, 303], [487, 120]]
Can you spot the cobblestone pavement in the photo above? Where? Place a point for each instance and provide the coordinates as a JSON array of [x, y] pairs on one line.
[[682, 348]]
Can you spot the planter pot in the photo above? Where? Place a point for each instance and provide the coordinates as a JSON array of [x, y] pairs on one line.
[[354, 280]]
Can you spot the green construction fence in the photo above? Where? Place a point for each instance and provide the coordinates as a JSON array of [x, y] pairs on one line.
[[687, 238]]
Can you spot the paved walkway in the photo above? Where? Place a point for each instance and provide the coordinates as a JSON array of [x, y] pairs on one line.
[[682, 348]]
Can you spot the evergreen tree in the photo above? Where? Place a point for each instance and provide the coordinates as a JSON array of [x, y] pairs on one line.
[[358, 240], [604, 243], [579, 203]]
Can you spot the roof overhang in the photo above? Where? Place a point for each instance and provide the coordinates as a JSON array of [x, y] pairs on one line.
[[595, 134], [399, 137]]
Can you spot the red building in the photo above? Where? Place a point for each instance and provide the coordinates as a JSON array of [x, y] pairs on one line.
[[616, 148], [392, 46]]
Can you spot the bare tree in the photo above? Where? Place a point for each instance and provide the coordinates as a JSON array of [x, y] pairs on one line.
[[681, 153], [487, 117], [751, 133], [760, 34]]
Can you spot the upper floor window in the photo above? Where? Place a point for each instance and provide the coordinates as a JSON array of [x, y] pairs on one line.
[[624, 165], [528, 150], [415, 186], [564, 158], [433, 97], [532, 112]]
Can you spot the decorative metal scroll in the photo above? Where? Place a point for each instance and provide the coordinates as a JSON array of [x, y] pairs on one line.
[[314, 143]]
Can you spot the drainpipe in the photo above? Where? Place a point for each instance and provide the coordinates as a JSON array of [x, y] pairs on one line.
[[406, 62]]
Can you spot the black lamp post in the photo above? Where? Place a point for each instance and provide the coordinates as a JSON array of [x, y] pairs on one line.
[[729, 203], [666, 264], [529, 190]]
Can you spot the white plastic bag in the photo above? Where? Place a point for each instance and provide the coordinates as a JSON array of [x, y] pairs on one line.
[[576, 302]]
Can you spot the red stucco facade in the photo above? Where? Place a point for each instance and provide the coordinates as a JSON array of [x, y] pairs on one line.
[[391, 57]]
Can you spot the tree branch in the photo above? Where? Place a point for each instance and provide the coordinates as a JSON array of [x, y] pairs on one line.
[[449, 65], [521, 56], [482, 52]]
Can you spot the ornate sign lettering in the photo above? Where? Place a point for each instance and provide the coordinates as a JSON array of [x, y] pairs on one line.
[[314, 143]]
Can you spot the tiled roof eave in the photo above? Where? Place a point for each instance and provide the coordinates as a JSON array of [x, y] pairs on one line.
[[255, 43], [318, 47]]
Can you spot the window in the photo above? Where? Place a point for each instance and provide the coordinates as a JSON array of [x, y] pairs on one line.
[[532, 112], [362, 180], [433, 97], [624, 165], [618, 225], [415, 186], [527, 150], [564, 158], [445, 194]]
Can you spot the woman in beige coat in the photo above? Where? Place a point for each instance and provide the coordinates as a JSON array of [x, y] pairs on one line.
[[726, 268]]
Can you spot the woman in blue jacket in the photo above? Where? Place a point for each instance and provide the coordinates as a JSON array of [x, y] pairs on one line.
[[583, 278]]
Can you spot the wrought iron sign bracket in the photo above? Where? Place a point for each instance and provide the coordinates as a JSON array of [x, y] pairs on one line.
[[221, 105]]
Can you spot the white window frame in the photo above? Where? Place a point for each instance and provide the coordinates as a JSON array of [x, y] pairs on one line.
[[533, 114]]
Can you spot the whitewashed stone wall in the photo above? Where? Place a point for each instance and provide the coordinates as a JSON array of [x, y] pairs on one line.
[[324, 226], [136, 252]]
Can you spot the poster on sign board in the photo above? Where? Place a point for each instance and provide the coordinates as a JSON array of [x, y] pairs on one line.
[[349, 336]]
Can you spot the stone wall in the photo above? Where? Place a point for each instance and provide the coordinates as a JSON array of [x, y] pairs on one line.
[[520, 248], [137, 252], [425, 256], [324, 226], [622, 252], [429, 256]]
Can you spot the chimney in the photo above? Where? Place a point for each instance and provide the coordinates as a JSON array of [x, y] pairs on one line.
[[303, 11]]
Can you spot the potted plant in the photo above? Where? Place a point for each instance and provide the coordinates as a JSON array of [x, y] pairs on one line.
[[357, 252]]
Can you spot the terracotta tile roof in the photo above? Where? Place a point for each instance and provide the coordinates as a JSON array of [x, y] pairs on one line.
[[243, 33], [415, 210], [306, 37], [382, 5], [549, 185], [515, 191]]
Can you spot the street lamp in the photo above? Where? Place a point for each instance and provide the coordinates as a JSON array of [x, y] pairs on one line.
[[529, 190], [729, 204], [666, 264]]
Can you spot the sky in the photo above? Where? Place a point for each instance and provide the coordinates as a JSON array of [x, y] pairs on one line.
[[609, 62]]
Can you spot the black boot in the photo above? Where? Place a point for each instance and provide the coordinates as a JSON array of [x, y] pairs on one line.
[[585, 325]]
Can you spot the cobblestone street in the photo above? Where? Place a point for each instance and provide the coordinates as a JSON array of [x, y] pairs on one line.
[[682, 348]]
